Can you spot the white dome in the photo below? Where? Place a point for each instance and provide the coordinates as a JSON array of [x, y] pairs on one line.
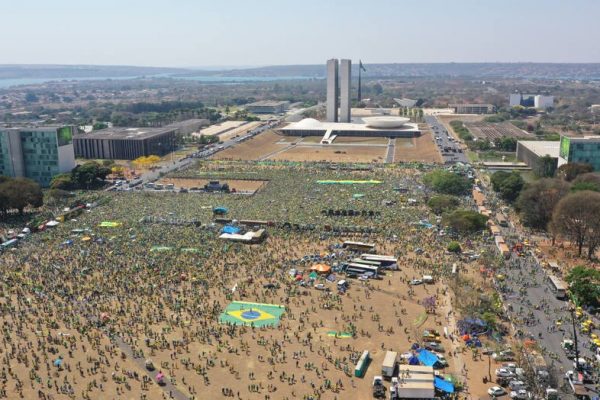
[[308, 123], [385, 121]]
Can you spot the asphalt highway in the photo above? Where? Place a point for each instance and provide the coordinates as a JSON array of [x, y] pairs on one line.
[[449, 147]]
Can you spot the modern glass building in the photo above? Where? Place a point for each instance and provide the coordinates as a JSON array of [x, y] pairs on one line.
[[38, 153], [580, 150]]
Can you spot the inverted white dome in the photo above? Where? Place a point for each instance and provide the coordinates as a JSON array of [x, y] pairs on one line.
[[385, 121]]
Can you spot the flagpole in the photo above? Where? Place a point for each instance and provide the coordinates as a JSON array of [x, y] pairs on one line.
[[359, 83]]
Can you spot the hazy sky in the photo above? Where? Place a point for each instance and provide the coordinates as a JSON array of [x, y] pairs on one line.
[[184, 33]]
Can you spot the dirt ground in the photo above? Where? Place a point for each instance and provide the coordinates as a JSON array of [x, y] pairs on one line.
[[422, 149], [252, 149], [237, 184], [333, 154], [311, 139], [173, 299]]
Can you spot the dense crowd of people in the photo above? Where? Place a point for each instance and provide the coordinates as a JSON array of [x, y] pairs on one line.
[[83, 312]]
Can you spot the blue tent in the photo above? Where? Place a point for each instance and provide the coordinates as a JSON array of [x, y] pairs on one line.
[[58, 362], [231, 229], [443, 385], [220, 210], [427, 358], [413, 360]]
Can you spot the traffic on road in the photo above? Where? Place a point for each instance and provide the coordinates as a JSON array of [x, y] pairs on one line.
[[449, 147]]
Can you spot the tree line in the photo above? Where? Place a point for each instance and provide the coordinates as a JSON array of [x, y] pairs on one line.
[[566, 206]]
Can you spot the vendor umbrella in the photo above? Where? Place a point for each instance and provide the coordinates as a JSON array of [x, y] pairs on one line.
[[321, 268]]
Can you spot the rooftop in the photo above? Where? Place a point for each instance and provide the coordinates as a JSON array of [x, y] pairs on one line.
[[267, 103], [310, 124], [32, 128], [126, 133], [470, 105], [188, 122], [588, 138], [542, 147]]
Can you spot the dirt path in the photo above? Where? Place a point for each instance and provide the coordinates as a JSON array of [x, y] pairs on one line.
[[168, 388], [273, 153]]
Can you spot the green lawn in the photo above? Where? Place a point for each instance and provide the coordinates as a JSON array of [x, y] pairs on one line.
[[496, 156]]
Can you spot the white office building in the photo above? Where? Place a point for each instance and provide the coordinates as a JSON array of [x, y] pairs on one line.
[[345, 80], [542, 102], [332, 90], [539, 101]]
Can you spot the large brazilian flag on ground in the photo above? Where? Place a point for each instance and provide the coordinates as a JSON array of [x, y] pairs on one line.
[[252, 314]]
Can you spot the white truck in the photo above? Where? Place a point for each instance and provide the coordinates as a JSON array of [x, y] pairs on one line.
[[415, 390], [389, 364]]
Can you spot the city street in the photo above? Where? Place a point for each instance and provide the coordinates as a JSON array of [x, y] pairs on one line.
[[534, 310], [449, 147]]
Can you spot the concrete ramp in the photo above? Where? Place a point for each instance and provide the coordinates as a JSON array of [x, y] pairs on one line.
[[328, 138]]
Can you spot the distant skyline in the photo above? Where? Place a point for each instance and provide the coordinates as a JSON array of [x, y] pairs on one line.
[[238, 33]]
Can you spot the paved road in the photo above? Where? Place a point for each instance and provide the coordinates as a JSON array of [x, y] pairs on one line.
[[537, 309], [450, 149]]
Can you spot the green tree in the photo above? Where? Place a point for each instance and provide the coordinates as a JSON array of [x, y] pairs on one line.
[[585, 285], [508, 185], [99, 125], [577, 217], [461, 130], [465, 221], [442, 203], [19, 193], [545, 167], [447, 182], [570, 171], [538, 199], [378, 89], [62, 182], [506, 143], [89, 174]]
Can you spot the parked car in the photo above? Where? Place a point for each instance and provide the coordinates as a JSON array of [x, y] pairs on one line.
[[505, 355], [504, 372], [495, 391], [416, 282], [519, 394], [433, 346], [516, 385]]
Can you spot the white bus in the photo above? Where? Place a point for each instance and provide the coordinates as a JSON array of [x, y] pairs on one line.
[[558, 287]]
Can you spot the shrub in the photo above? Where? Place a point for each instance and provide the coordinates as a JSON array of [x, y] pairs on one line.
[[454, 247]]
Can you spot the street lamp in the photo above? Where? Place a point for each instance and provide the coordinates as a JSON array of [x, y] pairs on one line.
[[577, 366]]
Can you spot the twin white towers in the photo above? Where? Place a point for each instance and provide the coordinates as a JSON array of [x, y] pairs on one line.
[[332, 90]]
